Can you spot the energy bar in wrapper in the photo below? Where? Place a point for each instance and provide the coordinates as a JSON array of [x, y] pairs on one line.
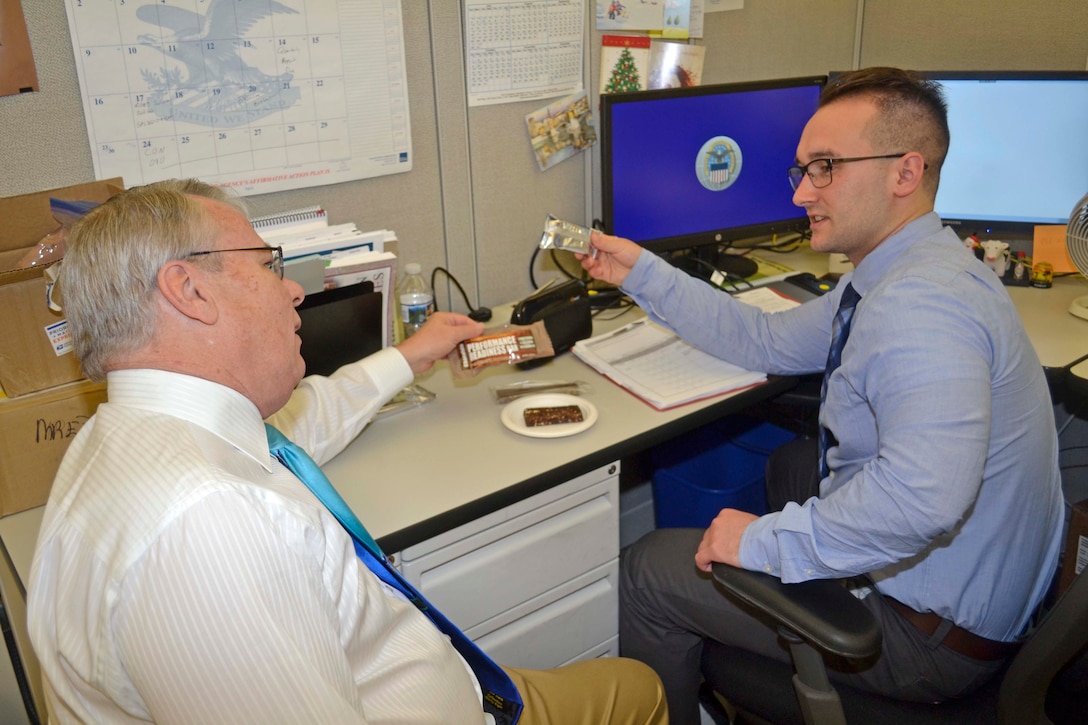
[[504, 345], [567, 236]]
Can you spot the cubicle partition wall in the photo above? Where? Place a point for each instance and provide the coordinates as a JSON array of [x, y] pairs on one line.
[[475, 199]]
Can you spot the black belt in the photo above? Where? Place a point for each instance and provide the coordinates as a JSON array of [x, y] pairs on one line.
[[958, 639]]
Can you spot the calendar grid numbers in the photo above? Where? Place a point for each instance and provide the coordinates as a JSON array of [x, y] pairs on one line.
[[257, 95], [523, 49]]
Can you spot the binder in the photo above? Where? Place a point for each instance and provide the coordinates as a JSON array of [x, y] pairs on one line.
[[306, 231]]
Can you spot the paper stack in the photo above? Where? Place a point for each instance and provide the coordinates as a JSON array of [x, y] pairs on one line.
[[304, 232], [322, 257]]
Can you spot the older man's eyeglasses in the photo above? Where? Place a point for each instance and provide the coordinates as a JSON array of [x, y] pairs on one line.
[[819, 170], [276, 263]]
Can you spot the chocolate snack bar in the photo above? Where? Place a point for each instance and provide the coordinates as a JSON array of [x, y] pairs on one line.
[[553, 415]]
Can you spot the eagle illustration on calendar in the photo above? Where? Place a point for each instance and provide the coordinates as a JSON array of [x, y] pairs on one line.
[[211, 74]]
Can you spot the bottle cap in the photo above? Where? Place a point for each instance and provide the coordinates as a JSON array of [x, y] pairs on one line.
[[412, 268]]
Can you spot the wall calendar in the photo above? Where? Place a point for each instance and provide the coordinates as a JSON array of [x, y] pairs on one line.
[[256, 95]]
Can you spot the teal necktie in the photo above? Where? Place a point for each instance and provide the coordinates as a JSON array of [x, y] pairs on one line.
[[501, 698], [299, 463]]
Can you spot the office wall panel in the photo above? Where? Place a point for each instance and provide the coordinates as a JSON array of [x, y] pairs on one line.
[[475, 200], [511, 198], [964, 35], [43, 137], [776, 39]]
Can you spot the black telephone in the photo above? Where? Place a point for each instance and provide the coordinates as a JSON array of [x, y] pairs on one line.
[[565, 309]]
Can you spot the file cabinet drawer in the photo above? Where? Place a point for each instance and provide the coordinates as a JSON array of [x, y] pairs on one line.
[[578, 625], [501, 561]]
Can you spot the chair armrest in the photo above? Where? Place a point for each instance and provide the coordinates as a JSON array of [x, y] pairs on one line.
[[822, 612]]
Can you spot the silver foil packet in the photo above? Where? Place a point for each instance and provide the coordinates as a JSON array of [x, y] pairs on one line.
[[567, 236]]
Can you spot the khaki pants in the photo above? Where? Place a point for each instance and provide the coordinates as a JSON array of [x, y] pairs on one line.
[[603, 691]]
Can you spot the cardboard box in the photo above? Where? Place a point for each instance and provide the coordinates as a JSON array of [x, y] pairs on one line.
[[35, 350], [35, 431], [1075, 558]]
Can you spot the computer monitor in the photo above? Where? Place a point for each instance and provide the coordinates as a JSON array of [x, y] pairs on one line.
[[1019, 150], [703, 166], [339, 326]]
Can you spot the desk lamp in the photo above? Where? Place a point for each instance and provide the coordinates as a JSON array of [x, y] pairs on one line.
[[1076, 240]]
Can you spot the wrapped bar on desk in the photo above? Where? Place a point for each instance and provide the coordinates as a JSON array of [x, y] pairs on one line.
[[512, 391]]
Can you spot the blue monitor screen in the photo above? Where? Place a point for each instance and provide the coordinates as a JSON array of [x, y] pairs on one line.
[[688, 167], [1019, 150]]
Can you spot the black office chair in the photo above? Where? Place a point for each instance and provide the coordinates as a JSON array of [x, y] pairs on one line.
[[823, 616]]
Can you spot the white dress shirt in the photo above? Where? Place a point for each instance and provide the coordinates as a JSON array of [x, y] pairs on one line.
[[184, 575]]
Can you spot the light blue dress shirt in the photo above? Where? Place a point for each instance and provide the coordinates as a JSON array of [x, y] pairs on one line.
[[944, 486]]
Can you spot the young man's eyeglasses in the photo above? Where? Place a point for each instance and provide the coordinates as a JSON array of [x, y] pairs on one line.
[[819, 170], [276, 264]]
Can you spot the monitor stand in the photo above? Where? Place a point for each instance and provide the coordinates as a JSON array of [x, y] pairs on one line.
[[732, 265], [735, 266], [700, 262]]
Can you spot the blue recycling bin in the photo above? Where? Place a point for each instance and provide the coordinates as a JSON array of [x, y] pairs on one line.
[[720, 465]]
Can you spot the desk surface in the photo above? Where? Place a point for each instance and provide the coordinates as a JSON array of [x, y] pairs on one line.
[[462, 462], [423, 471], [1059, 338]]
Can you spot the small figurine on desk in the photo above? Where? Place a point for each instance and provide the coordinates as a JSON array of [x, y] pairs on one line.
[[996, 256], [1020, 271]]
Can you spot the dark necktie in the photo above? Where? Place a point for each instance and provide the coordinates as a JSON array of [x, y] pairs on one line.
[[500, 695], [840, 330]]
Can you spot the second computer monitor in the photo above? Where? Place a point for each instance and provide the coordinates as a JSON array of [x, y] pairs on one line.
[[1019, 150]]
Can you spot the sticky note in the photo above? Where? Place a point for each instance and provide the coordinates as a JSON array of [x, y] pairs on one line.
[[1049, 246]]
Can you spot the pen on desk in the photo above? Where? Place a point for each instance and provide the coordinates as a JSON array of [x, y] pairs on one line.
[[607, 339], [609, 336], [627, 328], [630, 326]]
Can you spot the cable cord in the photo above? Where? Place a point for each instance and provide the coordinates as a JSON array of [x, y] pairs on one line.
[[480, 314], [555, 260]]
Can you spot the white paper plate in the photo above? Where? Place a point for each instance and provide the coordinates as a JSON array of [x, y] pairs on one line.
[[513, 415]]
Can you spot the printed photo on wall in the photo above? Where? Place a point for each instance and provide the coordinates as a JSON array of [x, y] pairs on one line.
[[561, 129], [675, 65]]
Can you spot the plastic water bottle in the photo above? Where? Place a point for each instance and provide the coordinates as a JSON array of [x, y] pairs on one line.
[[416, 299]]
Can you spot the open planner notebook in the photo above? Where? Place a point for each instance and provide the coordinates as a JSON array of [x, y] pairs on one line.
[[660, 368]]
